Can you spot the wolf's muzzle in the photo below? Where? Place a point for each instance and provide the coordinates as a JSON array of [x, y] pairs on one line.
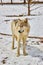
[[20, 31]]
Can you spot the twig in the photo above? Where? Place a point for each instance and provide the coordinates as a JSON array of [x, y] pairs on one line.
[[36, 8]]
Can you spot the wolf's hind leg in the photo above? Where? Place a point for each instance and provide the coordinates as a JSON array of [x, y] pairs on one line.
[[12, 41], [18, 48]]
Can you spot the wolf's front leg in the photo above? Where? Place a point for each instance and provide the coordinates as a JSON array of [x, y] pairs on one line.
[[24, 47], [18, 47]]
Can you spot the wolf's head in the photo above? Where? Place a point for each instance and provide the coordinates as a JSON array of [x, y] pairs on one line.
[[22, 25]]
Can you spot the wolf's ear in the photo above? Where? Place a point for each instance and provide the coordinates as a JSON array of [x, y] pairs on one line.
[[19, 19], [15, 22], [26, 20]]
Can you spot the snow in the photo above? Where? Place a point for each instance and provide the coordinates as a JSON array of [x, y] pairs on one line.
[[37, 0], [20, 9], [6, 0], [35, 53], [18, 1], [12, 0]]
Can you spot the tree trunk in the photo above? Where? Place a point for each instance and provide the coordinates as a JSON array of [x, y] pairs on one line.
[[29, 1], [1, 1], [11, 1], [24, 1]]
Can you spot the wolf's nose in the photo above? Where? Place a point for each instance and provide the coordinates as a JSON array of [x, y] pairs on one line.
[[19, 31]]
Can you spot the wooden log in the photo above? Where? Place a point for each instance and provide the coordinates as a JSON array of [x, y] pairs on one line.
[[5, 34], [28, 36], [41, 40], [35, 37], [11, 3], [6, 20], [17, 3], [15, 15], [20, 15], [37, 2]]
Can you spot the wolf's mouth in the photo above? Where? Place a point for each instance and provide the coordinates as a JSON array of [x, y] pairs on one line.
[[20, 31]]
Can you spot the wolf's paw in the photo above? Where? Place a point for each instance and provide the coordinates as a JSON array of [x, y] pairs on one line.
[[13, 48], [25, 54], [17, 55]]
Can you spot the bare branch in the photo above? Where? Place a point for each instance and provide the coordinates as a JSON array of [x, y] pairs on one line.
[[36, 8]]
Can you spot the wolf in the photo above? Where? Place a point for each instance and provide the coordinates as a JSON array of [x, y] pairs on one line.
[[20, 30]]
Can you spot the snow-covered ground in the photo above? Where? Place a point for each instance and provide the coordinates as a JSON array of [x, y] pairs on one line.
[[8, 56], [34, 47]]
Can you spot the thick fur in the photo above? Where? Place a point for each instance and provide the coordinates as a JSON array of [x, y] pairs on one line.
[[20, 29]]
